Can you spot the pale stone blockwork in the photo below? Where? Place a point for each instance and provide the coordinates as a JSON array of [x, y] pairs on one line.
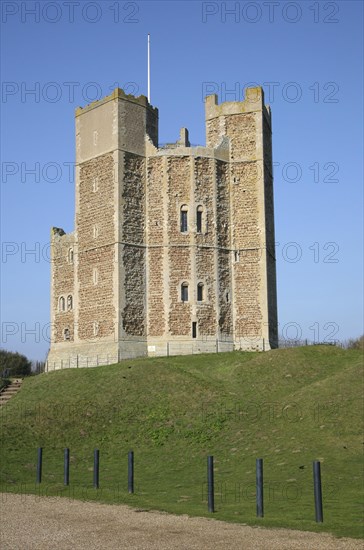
[[173, 248]]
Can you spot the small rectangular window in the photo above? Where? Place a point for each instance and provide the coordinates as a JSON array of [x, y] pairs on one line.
[[199, 222], [200, 292], [184, 293], [194, 330]]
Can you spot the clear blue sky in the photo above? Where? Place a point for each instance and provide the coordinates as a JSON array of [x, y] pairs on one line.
[[310, 54]]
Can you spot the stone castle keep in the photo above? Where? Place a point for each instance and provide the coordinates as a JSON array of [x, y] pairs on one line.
[[173, 248]]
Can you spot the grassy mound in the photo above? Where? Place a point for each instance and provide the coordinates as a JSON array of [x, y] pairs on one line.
[[289, 407]]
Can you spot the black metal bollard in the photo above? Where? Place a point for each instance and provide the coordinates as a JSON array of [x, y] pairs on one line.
[[317, 491], [96, 468], [39, 465], [259, 487], [210, 484], [66, 477], [131, 472]]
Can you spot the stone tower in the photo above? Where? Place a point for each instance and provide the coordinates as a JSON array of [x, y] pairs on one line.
[[173, 248]]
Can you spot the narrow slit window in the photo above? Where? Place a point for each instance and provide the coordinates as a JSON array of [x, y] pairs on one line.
[[200, 292], [184, 292], [95, 276], [199, 219], [184, 219], [69, 302], [66, 334], [194, 330], [70, 255], [95, 184]]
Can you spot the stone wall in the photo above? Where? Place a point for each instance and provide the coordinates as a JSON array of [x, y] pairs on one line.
[[242, 131], [179, 271], [96, 308], [156, 251], [179, 255], [246, 234], [96, 256], [131, 120], [205, 265], [214, 131], [62, 284], [133, 238], [206, 310], [223, 248]]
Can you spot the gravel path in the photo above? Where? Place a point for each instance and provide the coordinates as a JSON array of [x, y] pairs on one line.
[[28, 522]]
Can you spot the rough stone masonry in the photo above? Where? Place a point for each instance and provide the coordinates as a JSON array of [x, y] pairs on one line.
[[173, 248]]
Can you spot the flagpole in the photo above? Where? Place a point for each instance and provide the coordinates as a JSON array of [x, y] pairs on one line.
[[148, 67]]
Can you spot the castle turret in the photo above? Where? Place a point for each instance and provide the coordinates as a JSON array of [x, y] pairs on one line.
[[108, 246]]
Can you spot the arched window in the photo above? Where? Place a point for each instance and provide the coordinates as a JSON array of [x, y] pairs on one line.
[[199, 212], [184, 218], [69, 302], [237, 256], [200, 292], [95, 231], [184, 292], [61, 304], [66, 334], [70, 255], [96, 328]]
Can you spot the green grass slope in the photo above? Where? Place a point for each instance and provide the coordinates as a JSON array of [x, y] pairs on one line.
[[289, 407]]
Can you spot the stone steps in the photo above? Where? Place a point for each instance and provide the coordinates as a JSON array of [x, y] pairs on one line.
[[10, 391]]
